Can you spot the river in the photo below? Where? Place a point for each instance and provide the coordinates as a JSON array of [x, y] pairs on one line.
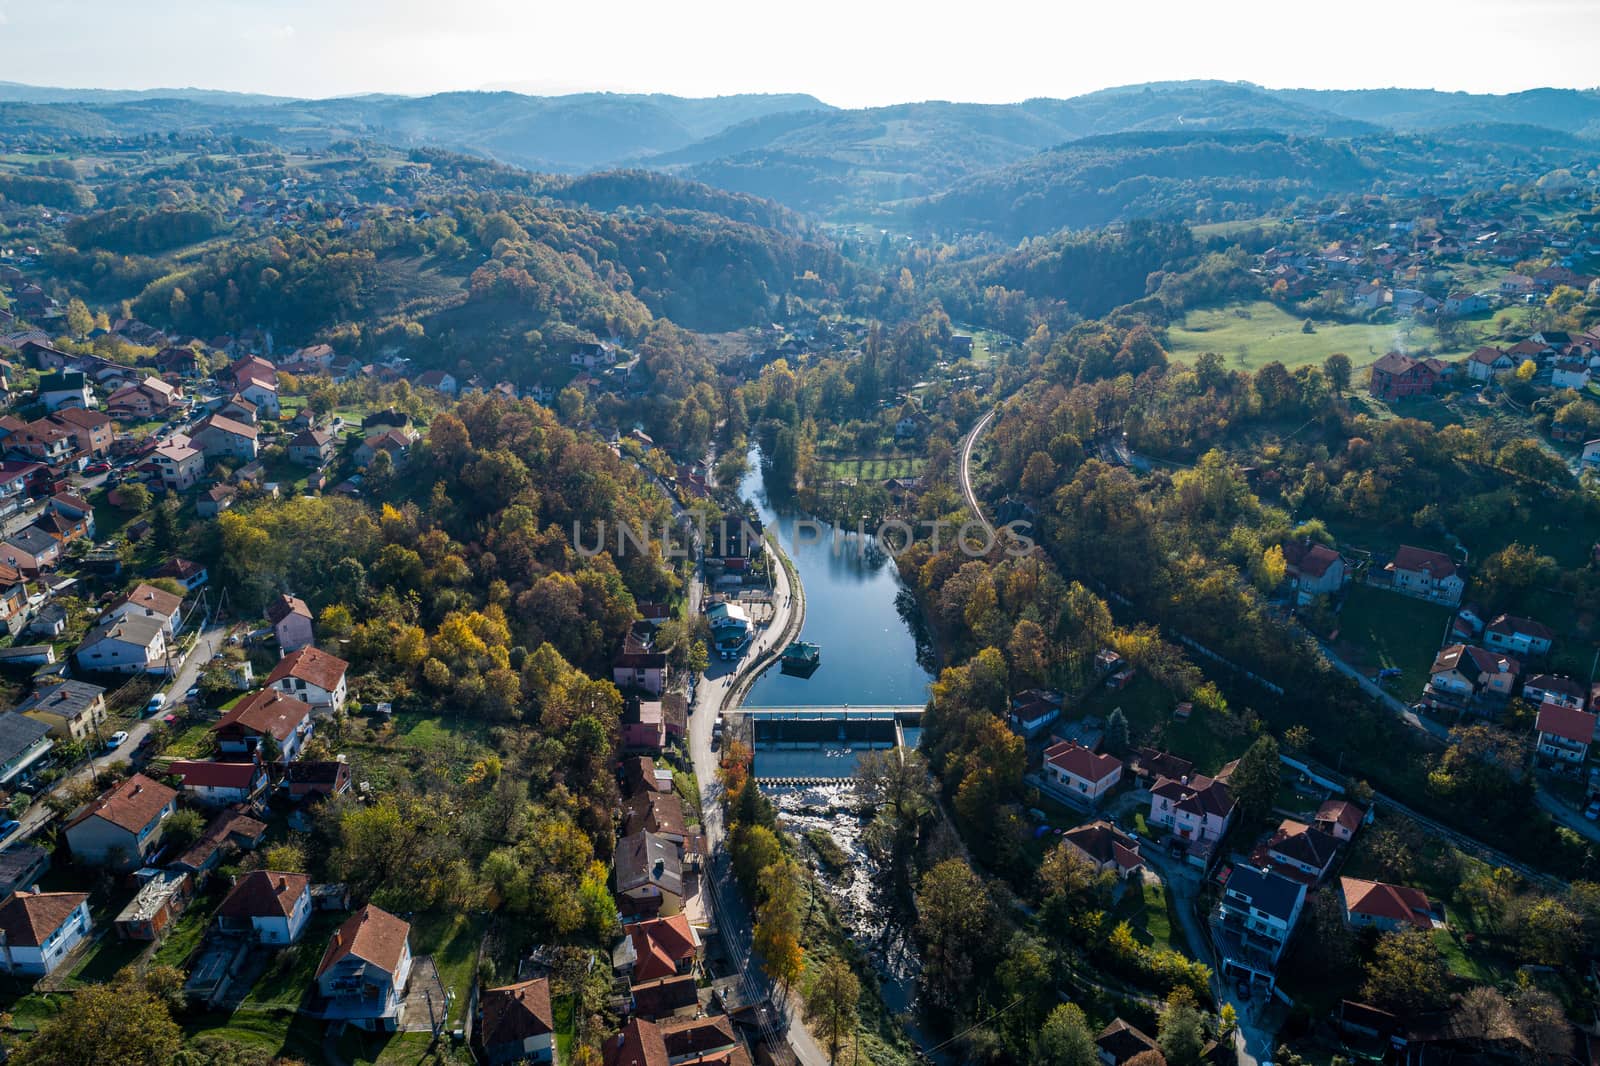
[[871, 655]]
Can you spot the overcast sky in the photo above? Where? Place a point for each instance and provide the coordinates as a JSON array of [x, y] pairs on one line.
[[847, 52]]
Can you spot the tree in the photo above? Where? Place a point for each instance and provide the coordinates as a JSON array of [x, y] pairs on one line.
[[1406, 974], [1066, 1039], [122, 1023], [1544, 1023], [1338, 369], [1548, 932], [134, 496], [1116, 739], [181, 829], [954, 918], [1254, 783], [79, 320], [831, 1001], [1527, 370], [1181, 1032], [1297, 738]]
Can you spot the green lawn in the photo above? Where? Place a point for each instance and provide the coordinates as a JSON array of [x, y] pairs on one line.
[[279, 1033], [452, 940], [1252, 335], [184, 935], [405, 1049], [292, 970], [104, 959], [566, 1026], [1382, 630], [1148, 707], [870, 468], [1147, 908]]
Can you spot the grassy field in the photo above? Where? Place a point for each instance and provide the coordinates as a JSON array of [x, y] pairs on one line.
[[1147, 908], [452, 940], [1252, 335], [1384, 630], [1148, 708]]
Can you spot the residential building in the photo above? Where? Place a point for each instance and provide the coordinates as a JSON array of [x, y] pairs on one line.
[[244, 729], [1340, 819], [1299, 851], [397, 442], [23, 742], [267, 907], [181, 466], [291, 622], [71, 710], [1540, 689], [1564, 734], [65, 388], [155, 906], [657, 948], [1034, 709], [148, 399], [147, 601], [21, 867], [313, 676], [640, 670], [1589, 458], [1397, 376], [191, 575], [1519, 636], [1463, 674], [1108, 848], [1427, 575], [313, 447], [264, 394], [643, 728], [31, 551], [90, 432], [363, 975], [649, 874], [516, 1023], [132, 645], [1121, 1042], [1254, 920], [223, 438], [1314, 570], [123, 825], [1198, 810], [1570, 374], [39, 929], [1384, 906], [438, 380], [316, 779], [1486, 362], [215, 500], [1078, 774], [220, 784]]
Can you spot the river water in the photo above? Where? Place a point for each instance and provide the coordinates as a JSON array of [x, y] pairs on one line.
[[871, 656]]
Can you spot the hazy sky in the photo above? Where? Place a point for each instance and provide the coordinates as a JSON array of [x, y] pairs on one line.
[[847, 52]]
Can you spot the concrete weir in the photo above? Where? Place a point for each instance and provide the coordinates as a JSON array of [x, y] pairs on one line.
[[794, 744]]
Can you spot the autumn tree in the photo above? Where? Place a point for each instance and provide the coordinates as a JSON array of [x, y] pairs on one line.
[[831, 1005], [1406, 973], [1254, 783], [1181, 1030], [1066, 1039], [954, 919], [123, 1023]]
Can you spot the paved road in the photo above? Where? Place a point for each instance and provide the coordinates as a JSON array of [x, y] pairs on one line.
[[712, 691], [1571, 818], [206, 645]]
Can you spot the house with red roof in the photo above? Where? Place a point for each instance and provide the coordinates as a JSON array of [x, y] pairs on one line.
[[244, 729], [1198, 810], [1106, 847], [312, 675], [220, 784], [657, 948], [1519, 636], [1299, 851], [1397, 376], [1340, 819], [291, 622], [1564, 733], [1078, 774], [1385, 906], [123, 825], [267, 907], [1313, 569], [364, 971], [40, 929], [1427, 575], [1463, 674], [516, 1023]]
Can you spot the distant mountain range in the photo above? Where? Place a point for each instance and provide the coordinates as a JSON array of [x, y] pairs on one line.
[[873, 163]]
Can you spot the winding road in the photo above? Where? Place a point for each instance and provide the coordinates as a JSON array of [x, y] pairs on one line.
[[967, 444]]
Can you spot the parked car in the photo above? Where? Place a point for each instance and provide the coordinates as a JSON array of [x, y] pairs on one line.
[[9, 826], [116, 739], [158, 701], [97, 468], [1592, 812]]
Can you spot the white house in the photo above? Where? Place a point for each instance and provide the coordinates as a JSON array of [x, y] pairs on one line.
[[312, 675], [264, 394], [180, 465], [1254, 920], [220, 784], [1385, 906], [147, 601], [1082, 776], [268, 907], [1486, 362], [39, 929], [1570, 374], [1198, 810], [224, 438], [1540, 689], [123, 825], [363, 974], [244, 729], [1589, 459], [1564, 733], [1520, 636], [132, 645], [1427, 575]]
